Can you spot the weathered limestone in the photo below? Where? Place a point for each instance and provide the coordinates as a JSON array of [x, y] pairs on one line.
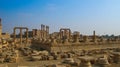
[[53, 42], [20, 36], [85, 61], [65, 33], [8, 54], [85, 38], [47, 31], [76, 37], [103, 61], [48, 41], [44, 32], [34, 32], [21, 28], [116, 57], [69, 60], [66, 42], [94, 37]]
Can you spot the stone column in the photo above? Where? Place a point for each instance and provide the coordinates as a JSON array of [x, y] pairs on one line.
[[14, 34], [41, 30], [94, 36], [26, 36], [41, 26], [69, 33], [20, 36], [65, 34], [60, 33], [44, 27], [34, 32], [40, 34], [44, 31], [47, 31], [85, 38], [76, 39]]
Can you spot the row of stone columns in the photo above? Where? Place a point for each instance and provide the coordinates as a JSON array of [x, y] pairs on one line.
[[21, 28], [47, 30], [85, 38], [66, 33], [44, 31]]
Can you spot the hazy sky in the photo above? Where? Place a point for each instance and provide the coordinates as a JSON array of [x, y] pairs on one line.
[[78, 15]]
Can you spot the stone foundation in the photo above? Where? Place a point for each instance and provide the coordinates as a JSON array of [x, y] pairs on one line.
[[74, 47]]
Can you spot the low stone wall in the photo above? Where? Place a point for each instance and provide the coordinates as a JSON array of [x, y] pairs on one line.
[[75, 47], [82, 47]]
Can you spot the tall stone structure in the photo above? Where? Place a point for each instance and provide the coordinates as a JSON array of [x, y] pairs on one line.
[[0, 27], [94, 36], [65, 33], [44, 31], [21, 37], [76, 36]]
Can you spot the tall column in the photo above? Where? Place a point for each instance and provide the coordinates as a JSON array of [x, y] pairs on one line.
[[43, 31], [26, 35], [94, 36], [14, 34], [20, 35], [85, 38], [42, 34], [41, 26], [69, 33], [47, 31], [65, 31], [34, 32], [44, 27], [60, 33]]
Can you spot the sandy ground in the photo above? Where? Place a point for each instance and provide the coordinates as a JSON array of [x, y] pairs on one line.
[[22, 60]]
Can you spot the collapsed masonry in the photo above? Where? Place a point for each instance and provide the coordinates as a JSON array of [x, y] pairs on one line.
[[65, 40]]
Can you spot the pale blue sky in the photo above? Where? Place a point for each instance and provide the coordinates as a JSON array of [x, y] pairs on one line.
[[78, 15]]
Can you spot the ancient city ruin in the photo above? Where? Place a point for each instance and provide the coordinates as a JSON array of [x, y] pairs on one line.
[[39, 48]]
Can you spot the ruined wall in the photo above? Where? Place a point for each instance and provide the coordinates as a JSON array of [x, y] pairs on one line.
[[75, 47]]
